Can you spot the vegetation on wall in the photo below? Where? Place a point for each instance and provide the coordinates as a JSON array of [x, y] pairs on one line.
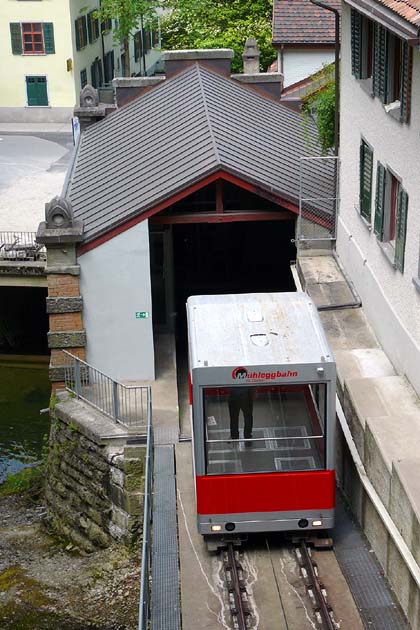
[[319, 104], [219, 24]]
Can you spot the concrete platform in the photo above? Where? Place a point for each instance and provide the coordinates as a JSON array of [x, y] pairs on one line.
[[383, 412]]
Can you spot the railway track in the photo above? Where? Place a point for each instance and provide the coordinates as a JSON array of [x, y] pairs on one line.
[[241, 612], [235, 583], [323, 612]]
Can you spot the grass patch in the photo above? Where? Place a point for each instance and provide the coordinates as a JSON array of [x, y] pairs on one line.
[[29, 481]]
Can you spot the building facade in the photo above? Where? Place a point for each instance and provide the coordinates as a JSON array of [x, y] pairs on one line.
[[379, 221], [304, 37], [50, 49]]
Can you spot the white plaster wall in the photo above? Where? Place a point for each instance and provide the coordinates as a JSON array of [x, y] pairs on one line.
[[115, 283], [390, 299], [299, 64]]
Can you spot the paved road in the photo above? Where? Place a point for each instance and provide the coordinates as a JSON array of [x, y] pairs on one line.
[[33, 167]]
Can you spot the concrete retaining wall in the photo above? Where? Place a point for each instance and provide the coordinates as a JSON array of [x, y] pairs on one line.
[[95, 487]]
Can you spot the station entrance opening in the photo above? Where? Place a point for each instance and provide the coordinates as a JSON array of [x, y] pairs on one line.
[[219, 239]]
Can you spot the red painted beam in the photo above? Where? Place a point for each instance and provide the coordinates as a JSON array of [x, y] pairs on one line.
[[227, 217], [241, 183]]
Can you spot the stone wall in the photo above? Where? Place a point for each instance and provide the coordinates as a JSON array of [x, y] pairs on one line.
[[95, 486]]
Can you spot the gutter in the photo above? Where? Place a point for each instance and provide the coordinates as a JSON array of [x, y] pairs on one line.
[[70, 170], [389, 19]]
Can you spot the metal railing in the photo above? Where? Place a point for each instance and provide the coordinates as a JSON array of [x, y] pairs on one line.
[[318, 199], [21, 246], [126, 404], [146, 555]]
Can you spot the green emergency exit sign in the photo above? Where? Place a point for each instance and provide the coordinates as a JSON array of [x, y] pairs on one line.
[[142, 314]]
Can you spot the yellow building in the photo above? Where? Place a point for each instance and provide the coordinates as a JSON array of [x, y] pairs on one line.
[[50, 49]]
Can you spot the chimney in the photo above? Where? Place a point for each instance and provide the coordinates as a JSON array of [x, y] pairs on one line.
[[127, 89], [217, 59], [251, 57], [267, 83]]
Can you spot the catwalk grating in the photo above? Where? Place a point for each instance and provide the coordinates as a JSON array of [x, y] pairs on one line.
[[363, 573], [165, 608]]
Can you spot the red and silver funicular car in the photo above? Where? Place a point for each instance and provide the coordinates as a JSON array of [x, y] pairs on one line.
[[263, 413]]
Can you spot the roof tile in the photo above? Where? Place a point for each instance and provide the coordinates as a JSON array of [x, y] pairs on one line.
[[301, 22]]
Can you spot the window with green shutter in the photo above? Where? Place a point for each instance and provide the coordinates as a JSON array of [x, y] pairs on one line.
[[80, 28], [16, 38], [379, 201], [401, 229], [406, 79], [366, 170], [380, 63], [36, 91], [356, 43], [48, 31]]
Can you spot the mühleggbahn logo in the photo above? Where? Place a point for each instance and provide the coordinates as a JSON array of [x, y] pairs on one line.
[[243, 374]]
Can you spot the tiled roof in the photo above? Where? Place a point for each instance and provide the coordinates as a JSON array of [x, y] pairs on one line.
[[301, 22], [191, 126], [407, 9]]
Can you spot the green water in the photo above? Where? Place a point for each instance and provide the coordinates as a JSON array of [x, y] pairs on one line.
[[24, 391]]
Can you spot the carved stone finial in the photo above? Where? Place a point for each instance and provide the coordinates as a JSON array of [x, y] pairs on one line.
[[89, 97], [59, 214]]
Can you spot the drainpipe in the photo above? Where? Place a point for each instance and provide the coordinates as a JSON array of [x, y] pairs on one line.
[[336, 70]]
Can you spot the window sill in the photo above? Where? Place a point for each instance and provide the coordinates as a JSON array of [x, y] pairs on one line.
[[389, 252], [416, 282], [393, 109], [362, 218], [367, 86]]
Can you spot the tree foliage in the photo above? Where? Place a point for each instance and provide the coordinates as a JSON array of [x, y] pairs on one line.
[[219, 24], [128, 14], [319, 104]]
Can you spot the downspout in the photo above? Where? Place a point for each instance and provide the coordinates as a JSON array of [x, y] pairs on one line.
[[336, 71]]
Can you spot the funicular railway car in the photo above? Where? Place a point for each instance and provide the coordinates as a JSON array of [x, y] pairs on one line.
[[262, 392]]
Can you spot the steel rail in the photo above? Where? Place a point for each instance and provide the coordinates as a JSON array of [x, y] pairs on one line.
[[236, 589], [323, 607]]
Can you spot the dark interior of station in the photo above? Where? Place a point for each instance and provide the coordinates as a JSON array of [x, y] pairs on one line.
[[238, 254], [23, 321]]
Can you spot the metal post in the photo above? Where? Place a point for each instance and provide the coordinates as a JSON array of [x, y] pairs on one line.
[[77, 381], [116, 401]]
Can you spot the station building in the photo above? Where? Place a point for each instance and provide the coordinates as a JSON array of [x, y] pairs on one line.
[[52, 48], [191, 187]]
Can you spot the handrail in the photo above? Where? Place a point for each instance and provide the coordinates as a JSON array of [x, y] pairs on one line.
[[16, 245], [126, 404], [144, 603]]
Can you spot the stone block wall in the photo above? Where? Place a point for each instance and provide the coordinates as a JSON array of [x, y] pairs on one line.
[[94, 490]]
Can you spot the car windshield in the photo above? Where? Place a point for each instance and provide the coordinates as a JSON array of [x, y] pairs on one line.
[[276, 428]]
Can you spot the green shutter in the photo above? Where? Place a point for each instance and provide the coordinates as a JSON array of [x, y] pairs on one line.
[[380, 201], [93, 75], [36, 89], [366, 169], [48, 31], [84, 28], [406, 77], [356, 44], [89, 26], [16, 38], [76, 28], [380, 63], [401, 229]]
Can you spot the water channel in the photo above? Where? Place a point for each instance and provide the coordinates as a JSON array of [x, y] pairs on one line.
[[24, 391]]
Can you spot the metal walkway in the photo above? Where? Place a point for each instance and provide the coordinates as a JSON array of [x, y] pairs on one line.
[[165, 606], [364, 575]]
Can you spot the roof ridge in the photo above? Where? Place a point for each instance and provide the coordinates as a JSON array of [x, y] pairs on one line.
[[207, 113]]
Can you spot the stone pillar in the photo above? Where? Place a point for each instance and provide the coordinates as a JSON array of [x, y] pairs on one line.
[[60, 233], [251, 57]]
